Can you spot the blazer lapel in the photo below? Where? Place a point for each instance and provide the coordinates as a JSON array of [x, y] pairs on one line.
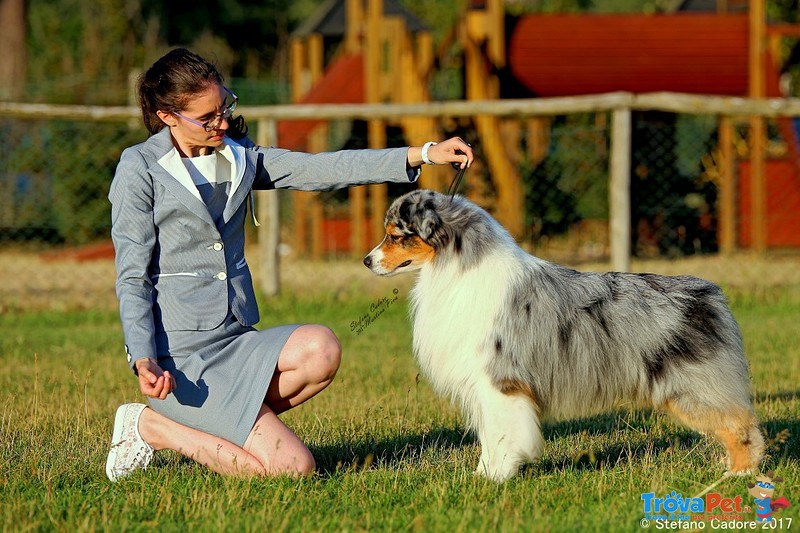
[[173, 177], [166, 167], [242, 174]]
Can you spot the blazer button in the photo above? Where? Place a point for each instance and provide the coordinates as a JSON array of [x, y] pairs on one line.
[[217, 246], [222, 276]]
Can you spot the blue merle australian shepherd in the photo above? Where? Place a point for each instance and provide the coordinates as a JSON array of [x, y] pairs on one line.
[[511, 337]]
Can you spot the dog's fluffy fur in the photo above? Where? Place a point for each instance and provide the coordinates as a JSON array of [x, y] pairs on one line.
[[511, 337]]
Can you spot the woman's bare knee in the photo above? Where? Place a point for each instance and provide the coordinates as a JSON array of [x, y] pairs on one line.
[[304, 464], [298, 462], [319, 352], [277, 447], [327, 353]]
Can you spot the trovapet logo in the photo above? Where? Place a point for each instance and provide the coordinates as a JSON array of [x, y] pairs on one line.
[[674, 506], [716, 511]]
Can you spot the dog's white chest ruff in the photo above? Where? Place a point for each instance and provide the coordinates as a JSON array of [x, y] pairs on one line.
[[453, 315]]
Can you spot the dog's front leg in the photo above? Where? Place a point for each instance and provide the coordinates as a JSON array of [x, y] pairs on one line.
[[509, 433]]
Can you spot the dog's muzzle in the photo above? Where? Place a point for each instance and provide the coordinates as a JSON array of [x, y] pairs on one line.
[[374, 262]]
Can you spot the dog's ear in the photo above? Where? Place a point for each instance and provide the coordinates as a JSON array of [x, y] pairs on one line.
[[428, 224], [417, 213], [427, 220]]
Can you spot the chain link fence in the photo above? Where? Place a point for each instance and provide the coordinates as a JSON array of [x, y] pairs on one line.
[[55, 174], [674, 199], [54, 179]]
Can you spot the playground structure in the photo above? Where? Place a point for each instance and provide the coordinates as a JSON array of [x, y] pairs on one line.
[[383, 54]]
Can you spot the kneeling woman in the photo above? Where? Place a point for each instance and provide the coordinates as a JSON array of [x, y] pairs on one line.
[[216, 385]]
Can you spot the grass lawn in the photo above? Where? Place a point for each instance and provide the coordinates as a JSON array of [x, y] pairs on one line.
[[391, 454]]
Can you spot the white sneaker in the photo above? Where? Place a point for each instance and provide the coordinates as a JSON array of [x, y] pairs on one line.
[[128, 451]]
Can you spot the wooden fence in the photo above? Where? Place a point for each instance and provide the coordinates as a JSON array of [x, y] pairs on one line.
[[619, 104]]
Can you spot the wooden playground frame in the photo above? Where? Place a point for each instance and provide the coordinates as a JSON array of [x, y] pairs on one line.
[[397, 65], [397, 68]]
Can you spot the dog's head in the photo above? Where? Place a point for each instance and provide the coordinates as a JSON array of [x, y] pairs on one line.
[[415, 233]]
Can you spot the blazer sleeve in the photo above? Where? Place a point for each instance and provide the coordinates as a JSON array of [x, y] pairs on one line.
[[134, 234], [286, 169]]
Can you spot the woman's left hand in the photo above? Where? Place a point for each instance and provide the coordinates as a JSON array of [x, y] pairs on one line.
[[454, 150]]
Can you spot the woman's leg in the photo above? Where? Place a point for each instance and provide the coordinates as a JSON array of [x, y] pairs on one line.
[[220, 455], [307, 364], [275, 448]]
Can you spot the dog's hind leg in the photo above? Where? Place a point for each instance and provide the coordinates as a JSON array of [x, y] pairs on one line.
[[735, 427], [508, 430], [745, 446]]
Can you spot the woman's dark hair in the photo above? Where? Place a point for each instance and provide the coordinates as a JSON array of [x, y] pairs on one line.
[[172, 81]]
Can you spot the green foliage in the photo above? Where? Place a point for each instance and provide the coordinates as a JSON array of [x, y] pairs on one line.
[[570, 183], [82, 176], [58, 174], [440, 17], [83, 52], [391, 455], [693, 140], [581, 148], [254, 30], [80, 52]]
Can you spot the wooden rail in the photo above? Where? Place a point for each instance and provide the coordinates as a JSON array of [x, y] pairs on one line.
[[669, 102]]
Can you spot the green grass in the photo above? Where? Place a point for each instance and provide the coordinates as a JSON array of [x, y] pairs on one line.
[[391, 454]]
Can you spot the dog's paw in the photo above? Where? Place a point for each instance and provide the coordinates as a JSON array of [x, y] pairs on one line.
[[738, 473], [498, 475]]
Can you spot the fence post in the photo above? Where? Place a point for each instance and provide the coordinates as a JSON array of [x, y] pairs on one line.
[[133, 78], [619, 190], [268, 215]]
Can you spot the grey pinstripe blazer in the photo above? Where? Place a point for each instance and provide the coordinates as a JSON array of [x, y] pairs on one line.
[[176, 270]]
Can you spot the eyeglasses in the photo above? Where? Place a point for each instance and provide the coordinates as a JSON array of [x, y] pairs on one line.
[[214, 123]]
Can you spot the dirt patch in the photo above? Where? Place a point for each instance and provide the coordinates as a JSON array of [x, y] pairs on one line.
[[33, 281]]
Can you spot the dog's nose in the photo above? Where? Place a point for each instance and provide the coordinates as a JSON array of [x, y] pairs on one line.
[[368, 261]]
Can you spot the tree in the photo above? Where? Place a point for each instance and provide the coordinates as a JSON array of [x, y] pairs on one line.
[[12, 43]]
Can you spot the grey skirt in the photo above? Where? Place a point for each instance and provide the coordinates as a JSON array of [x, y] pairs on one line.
[[222, 376]]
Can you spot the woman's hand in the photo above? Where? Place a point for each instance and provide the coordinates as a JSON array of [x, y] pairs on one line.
[[453, 150], [153, 381]]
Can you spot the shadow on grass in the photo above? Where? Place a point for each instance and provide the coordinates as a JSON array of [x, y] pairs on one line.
[[641, 438], [636, 427], [589, 459], [781, 435], [782, 440], [389, 451]]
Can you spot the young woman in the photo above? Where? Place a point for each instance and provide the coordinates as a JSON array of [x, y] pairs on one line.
[[215, 385]]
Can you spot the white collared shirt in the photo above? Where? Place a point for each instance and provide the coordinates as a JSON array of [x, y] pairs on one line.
[[231, 151]]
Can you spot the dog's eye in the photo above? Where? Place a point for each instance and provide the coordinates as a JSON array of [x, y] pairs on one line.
[[394, 238]]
